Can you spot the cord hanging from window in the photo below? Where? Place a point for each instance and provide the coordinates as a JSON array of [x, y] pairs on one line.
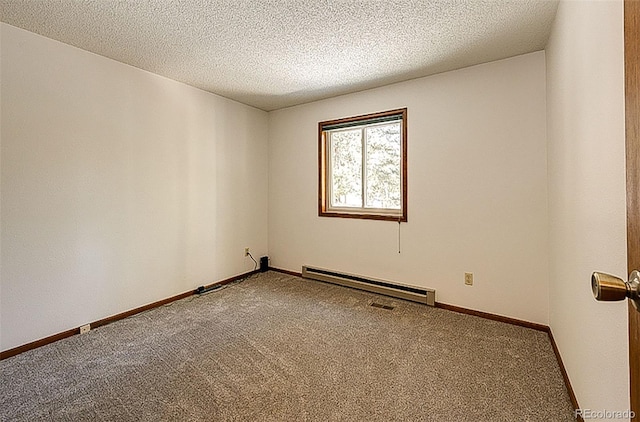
[[398, 236]]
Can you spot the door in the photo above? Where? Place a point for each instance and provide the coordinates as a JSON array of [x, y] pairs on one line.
[[632, 121], [606, 287]]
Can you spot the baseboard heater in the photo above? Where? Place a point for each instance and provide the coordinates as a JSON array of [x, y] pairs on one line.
[[388, 288]]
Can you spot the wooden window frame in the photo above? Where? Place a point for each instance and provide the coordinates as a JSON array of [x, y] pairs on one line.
[[323, 155]]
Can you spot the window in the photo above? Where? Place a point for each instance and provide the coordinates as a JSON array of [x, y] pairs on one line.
[[363, 166]]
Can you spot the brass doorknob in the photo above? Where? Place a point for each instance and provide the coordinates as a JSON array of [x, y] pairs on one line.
[[607, 287]]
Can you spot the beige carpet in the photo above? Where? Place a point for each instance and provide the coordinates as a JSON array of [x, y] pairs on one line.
[[279, 348]]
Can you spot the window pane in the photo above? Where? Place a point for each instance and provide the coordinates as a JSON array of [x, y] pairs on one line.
[[352, 149], [346, 168], [383, 166]]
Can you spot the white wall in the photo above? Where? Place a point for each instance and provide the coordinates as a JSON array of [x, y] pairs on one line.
[[477, 189], [0, 188], [585, 87], [119, 187]]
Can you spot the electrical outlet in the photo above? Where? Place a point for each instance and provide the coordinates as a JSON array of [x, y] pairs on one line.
[[85, 328], [246, 251], [468, 279]]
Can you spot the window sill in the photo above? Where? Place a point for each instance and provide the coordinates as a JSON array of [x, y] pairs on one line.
[[363, 216]]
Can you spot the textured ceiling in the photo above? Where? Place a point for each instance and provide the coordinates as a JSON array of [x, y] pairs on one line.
[[277, 53]]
